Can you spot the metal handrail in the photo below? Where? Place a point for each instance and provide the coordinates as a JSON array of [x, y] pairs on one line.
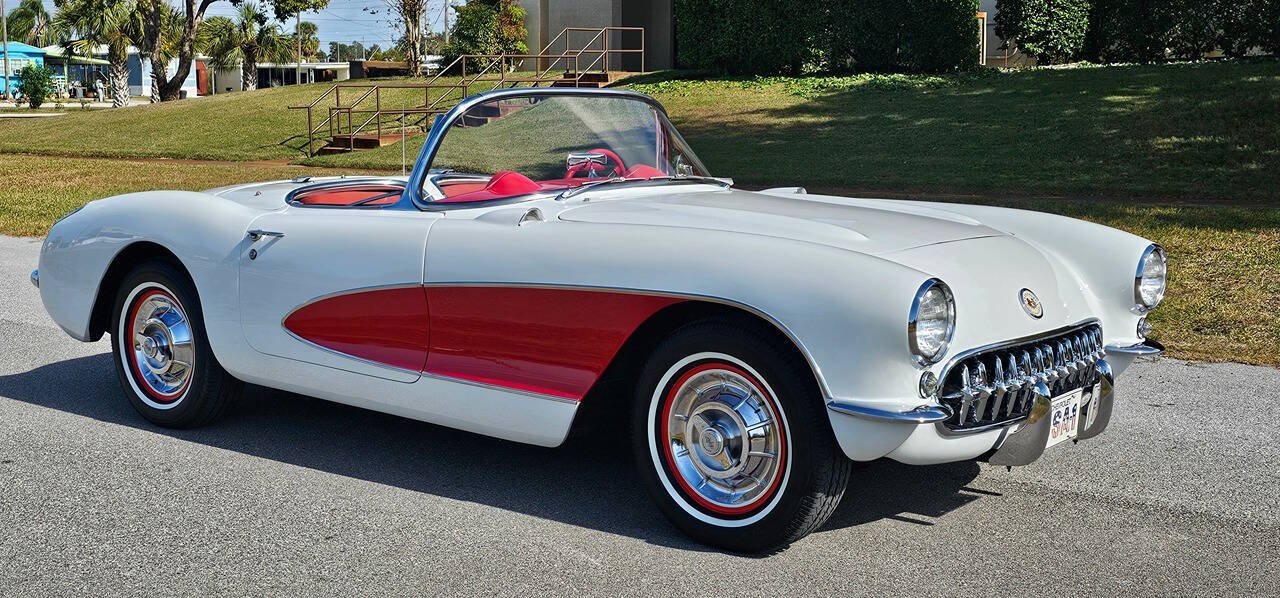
[[570, 58]]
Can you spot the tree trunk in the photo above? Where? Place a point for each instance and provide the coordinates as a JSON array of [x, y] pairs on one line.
[[411, 15], [157, 79], [248, 75], [118, 75], [172, 87]]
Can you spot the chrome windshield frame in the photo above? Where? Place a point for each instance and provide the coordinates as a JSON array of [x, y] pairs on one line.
[[415, 189]]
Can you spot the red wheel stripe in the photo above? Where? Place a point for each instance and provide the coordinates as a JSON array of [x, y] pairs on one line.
[[669, 400], [139, 381]]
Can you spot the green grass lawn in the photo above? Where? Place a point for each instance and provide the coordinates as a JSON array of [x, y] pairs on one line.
[[236, 126], [37, 190], [1204, 131]]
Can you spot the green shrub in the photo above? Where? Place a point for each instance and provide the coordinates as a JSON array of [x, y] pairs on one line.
[[1051, 31], [36, 84], [487, 27], [746, 36], [930, 36]]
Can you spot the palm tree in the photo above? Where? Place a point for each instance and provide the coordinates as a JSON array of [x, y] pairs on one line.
[[114, 23], [162, 29], [247, 40], [31, 23]]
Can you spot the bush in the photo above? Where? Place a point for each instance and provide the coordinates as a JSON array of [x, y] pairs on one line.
[[36, 84], [487, 27], [1150, 30], [746, 36], [1051, 31], [930, 36]]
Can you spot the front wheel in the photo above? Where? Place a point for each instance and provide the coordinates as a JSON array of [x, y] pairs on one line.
[[732, 440], [162, 355]]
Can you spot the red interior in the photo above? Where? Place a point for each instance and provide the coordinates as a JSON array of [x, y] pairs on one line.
[[349, 194], [507, 183], [501, 185]]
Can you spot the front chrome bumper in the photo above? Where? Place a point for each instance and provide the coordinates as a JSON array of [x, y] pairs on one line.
[[1025, 443], [35, 278]]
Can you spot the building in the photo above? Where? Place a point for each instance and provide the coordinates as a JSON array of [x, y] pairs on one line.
[[20, 55], [275, 74], [547, 18]]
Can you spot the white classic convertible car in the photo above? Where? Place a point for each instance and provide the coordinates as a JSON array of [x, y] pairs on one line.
[[558, 249]]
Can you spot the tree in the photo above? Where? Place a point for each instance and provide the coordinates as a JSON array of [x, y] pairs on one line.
[[248, 40], [1051, 31], [487, 27], [36, 83], [410, 13], [293, 9], [310, 40], [114, 23], [162, 26], [32, 24]]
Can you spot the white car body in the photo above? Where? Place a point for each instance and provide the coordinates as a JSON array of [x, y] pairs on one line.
[[835, 275]]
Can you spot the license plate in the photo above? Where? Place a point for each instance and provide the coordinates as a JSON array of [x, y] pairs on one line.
[[1065, 417]]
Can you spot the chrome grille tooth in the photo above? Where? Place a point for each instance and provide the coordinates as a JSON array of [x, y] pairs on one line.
[[984, 392], [1000, 388], [966, 394], [1016, 383]]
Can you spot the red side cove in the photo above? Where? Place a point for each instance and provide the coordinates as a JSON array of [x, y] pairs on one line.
[[385, 325], [549, 341]]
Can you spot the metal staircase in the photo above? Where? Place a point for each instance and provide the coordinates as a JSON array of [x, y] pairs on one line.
[[351, 116]]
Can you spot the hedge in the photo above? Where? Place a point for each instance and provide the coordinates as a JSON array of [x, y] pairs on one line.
[[1150, 30], [787, 36], [746, 36]]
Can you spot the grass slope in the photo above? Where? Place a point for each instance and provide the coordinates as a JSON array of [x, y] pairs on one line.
[[1202, 130]]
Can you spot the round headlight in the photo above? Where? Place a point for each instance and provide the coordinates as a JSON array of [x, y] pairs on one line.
[[932, 321], [1148, 285]]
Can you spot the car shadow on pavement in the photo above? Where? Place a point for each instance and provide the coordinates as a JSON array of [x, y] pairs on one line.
[[585, 482]]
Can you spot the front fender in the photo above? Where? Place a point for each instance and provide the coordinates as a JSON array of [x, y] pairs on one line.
[[204, 232]]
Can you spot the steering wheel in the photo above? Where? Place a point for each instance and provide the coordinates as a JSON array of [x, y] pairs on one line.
[[589, 169]]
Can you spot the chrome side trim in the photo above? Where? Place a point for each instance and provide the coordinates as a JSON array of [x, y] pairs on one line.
[[507, 389], [35, 278], [924, 414], [1144, 348]]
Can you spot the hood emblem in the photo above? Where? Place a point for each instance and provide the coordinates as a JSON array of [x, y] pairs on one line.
[[1031, 304]]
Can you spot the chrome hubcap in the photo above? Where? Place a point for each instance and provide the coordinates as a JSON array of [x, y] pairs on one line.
[[162, 347], [725, 439]]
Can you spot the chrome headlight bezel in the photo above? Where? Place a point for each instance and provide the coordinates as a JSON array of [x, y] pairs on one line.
[[1139, 300], [922, 355]]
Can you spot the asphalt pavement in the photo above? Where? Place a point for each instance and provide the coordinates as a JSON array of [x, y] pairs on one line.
[[295, 496]]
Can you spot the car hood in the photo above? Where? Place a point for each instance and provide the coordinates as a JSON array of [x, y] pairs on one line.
[[866, 226]]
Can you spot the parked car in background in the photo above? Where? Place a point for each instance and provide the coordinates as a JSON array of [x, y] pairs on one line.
[[555, 248]]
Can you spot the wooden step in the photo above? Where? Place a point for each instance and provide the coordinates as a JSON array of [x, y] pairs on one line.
[[346, 142]]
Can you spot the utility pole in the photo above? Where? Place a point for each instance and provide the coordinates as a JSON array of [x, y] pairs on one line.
[[297, 29], [446, 21], [4, 27]]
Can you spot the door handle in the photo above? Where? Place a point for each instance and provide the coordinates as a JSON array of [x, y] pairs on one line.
[[257, 234]]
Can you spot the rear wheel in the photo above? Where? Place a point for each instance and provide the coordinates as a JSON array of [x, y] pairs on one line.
[[162, 356], [732, 440]]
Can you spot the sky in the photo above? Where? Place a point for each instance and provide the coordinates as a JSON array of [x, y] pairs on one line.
[[343, 21]]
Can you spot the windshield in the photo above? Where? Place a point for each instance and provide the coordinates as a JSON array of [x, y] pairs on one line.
[[523, 144]]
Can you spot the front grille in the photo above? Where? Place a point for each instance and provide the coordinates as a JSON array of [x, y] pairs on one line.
[[996, 386]]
